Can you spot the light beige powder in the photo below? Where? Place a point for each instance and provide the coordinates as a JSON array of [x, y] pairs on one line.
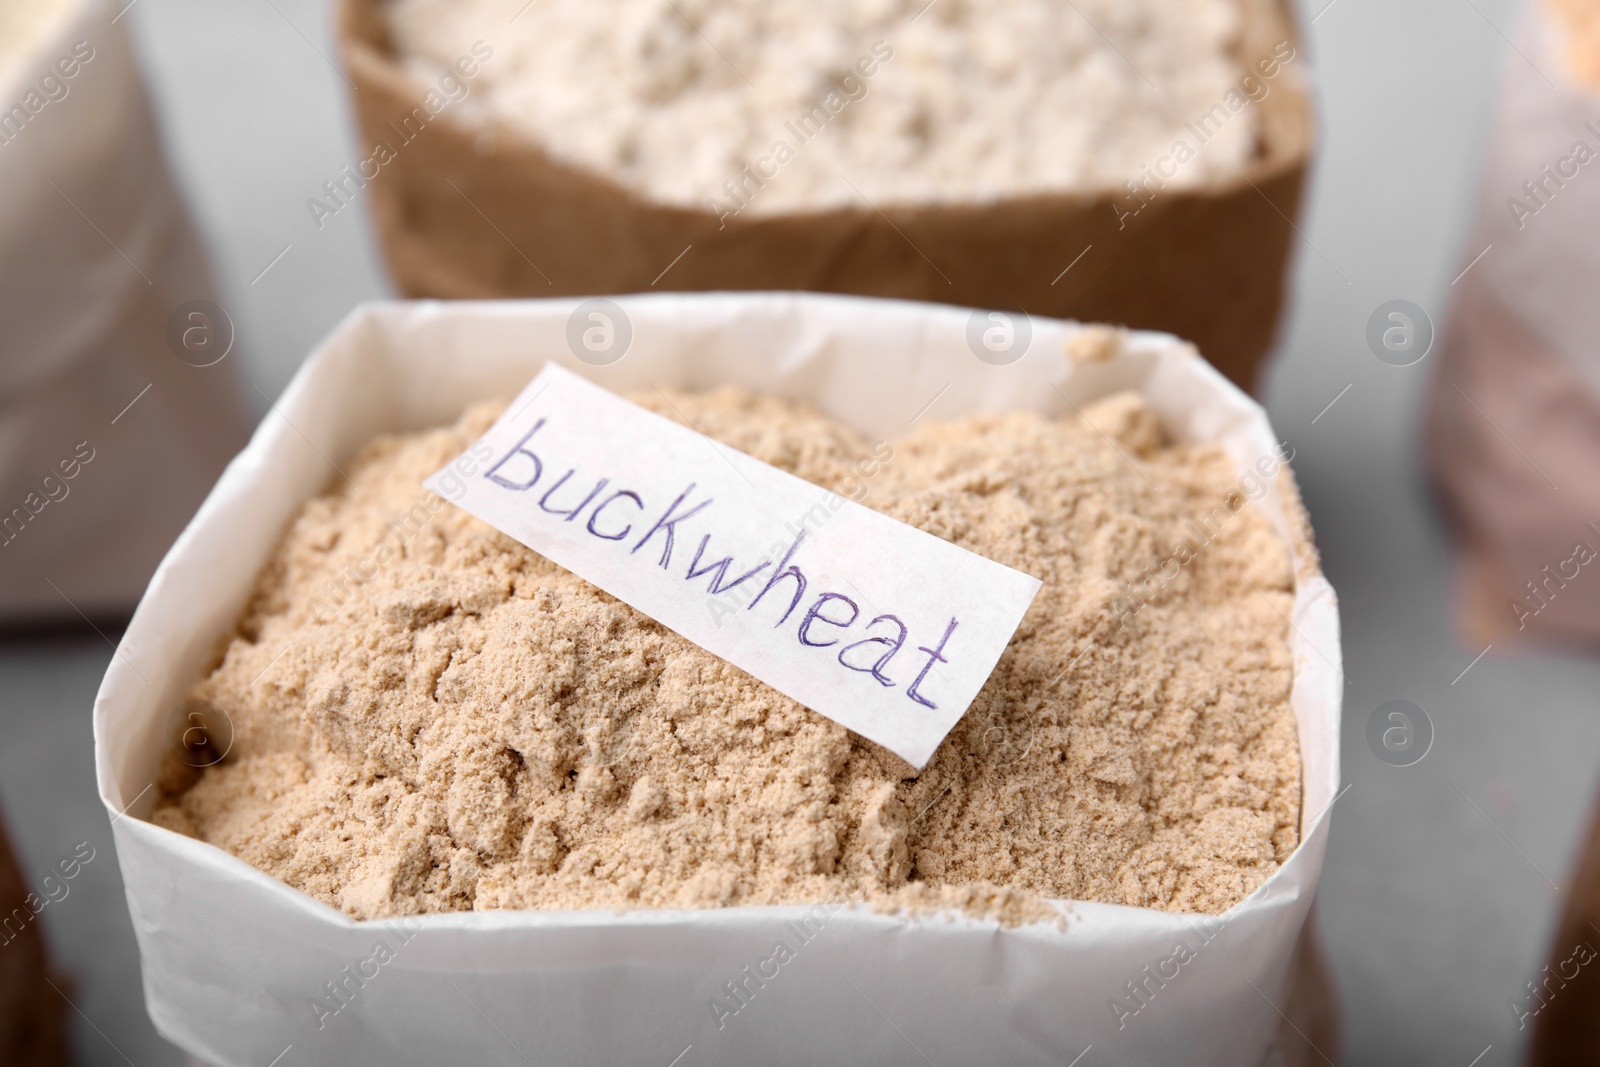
[[474, 727], [1579, 22], [887, 101], [22, 23]]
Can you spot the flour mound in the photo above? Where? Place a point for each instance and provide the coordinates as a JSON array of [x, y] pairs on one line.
[[422, 715], [888, 101]]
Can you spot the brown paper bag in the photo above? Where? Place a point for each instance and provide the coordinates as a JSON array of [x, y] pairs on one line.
[[1561, 1003], [31, 1031], [487, 213]]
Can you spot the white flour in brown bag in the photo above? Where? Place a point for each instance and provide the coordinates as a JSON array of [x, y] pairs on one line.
[[428, 716], [887, 102]]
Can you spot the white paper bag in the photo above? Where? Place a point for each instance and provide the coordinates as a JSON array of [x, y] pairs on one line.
[[1513, 416], [97, 254], [233, 958]]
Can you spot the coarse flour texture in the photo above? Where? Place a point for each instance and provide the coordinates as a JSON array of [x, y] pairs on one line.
[[888, 101], [428, 716]]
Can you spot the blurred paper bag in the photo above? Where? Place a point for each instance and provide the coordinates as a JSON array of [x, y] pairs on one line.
[[115, 412], [1512, 423]]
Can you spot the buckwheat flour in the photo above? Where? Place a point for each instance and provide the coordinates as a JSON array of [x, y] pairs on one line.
[[419, 714], [893, 101]]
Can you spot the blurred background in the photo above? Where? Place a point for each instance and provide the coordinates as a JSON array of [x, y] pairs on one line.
[[1440, 892]]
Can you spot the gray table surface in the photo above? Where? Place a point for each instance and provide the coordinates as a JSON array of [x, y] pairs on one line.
[[1435, 903]]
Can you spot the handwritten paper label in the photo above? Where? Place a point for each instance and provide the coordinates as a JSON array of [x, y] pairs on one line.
[[881, 627]]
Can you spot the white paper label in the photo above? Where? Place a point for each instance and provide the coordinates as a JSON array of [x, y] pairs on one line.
[[881, 627]]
